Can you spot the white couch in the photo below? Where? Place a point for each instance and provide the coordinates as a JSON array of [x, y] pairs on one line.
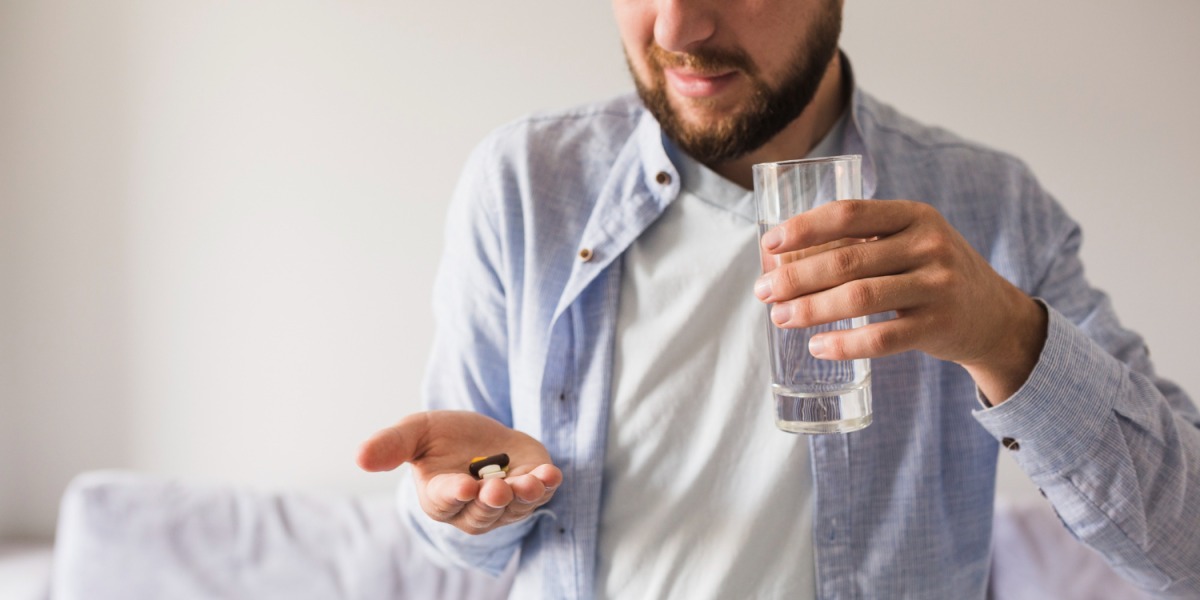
[[129, 537]]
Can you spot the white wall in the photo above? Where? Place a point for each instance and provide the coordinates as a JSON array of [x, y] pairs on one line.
[[63, 226], [221, 220], [227, 218], [1100, 99]]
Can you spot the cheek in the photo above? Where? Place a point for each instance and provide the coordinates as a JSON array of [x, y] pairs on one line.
[[635, 21], [772, 31]]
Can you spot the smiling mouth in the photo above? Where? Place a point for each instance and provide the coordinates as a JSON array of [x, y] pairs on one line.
[[692, 84]]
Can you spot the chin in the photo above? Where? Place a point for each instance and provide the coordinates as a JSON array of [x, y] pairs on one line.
[[702, 113]]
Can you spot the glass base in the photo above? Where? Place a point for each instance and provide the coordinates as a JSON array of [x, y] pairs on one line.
[[823, 413]]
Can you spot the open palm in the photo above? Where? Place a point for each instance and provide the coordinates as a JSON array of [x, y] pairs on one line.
[[440, 445]]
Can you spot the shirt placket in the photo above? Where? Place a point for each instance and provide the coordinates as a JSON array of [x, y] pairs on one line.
[[831, 516], [559, 421]]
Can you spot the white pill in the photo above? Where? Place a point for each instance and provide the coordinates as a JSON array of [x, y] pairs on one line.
[[494, 475], [489, 469]]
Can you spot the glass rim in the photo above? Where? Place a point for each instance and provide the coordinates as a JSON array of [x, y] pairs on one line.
[[816, 160]]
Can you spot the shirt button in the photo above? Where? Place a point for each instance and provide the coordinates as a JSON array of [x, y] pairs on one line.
[[585, 254], [663, 178], [1011, 444]]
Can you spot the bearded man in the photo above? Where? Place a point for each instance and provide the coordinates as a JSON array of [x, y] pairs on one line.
[[599, 315]]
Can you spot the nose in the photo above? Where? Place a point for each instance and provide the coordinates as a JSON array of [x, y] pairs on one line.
[[683, 24]]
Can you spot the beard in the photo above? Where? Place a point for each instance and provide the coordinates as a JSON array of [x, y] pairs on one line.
[[760, 117]]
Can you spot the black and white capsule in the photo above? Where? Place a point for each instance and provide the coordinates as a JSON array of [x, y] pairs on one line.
[[478, 463]]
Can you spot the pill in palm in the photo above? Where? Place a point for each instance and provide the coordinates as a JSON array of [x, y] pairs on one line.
[[479, 463]]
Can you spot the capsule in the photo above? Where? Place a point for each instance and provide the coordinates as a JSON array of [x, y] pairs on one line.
[[479, 462]]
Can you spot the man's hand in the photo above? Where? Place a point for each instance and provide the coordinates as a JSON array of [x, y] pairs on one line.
[[948, 300], [440, 445]]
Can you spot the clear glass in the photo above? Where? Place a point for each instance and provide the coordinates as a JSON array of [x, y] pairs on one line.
[[811, 395]]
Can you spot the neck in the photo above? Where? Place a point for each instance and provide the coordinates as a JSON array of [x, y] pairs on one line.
[[801, 135]]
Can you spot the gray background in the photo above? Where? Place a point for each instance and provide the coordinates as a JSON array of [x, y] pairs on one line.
[[219, 221]]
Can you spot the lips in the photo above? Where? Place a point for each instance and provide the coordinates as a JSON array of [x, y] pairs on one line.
[[699, 85]]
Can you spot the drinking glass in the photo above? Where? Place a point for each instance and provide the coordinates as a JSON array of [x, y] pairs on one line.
[[812, 395]]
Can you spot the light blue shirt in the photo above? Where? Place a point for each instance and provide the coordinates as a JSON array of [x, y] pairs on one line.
[[526, 305], [691, 418]]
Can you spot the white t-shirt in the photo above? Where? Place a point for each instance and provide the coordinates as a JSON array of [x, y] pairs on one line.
[[703, 496]]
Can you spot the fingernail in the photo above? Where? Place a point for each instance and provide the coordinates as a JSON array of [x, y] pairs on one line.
[[762, 287], [780, 313], [772, 239], [816, 346]]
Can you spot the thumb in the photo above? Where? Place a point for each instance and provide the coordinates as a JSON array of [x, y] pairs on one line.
[[393, 446]]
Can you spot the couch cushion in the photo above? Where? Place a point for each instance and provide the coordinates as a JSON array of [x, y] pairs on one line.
[[129, 536]]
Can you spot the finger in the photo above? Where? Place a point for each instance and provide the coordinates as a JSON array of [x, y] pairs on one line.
[[495, 493], [477, 517], [831, 268], [531, 491], [527, 489], [550, 478], [445, 495], [482, 514], [857, 298], [517, 511], [870, 341], [843, 219], [550, 475], [391, 447]]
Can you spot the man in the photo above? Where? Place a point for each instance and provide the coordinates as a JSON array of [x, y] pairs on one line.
[[600, 321]]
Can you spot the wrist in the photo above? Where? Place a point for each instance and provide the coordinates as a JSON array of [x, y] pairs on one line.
[[1014, 352]]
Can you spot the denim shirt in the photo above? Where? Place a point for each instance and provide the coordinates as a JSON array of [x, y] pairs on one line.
[[526, 306]]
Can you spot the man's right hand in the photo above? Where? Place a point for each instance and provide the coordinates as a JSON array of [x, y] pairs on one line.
[[440, 444]]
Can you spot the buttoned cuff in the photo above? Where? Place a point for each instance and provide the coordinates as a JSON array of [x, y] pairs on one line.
[[1054, 419]]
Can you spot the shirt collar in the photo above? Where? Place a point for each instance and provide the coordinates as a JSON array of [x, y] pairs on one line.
[[854, 139]]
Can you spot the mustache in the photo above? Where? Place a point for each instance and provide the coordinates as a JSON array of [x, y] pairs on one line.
[[704, 60]]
